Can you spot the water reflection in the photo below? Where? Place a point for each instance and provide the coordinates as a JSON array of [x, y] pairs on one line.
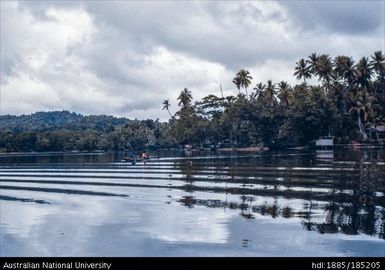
[[222, 204], [353, 202]]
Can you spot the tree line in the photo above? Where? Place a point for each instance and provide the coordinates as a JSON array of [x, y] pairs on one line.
[[65, 131], [336, 97]]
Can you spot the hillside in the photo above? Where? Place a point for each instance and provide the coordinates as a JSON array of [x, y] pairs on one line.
[[66, 131], [56, 120]]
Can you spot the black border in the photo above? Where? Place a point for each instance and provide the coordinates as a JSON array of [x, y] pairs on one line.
[[182, 263]]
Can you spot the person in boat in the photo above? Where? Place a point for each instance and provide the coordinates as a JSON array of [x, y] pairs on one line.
[[144, 155]]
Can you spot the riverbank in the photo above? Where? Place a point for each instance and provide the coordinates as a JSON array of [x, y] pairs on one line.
[[243, 149], [250, 149]]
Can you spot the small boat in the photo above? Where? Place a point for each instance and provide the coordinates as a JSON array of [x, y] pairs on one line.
[[138, 159], [131, 159]]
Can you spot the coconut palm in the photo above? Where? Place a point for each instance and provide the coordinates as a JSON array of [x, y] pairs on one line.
[[269, 93], [377, 63], [324, 70], [344, 69], [244, 78], [364, 108], [185, 97], [313, 63], [283, 86], [284, 93], [363, 72], [259, 88], [166, 106], [237, 82], [302, 71]]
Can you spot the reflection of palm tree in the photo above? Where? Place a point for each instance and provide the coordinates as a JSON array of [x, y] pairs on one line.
[[382, 226], [329, 226], [309, 215], [188, 170], [369, 225], [275, 209], [244, 206], [251, 199], [188, 201]]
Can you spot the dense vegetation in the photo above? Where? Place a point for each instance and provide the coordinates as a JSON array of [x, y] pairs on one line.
[[65, 131], [346, 100], [335, 96]]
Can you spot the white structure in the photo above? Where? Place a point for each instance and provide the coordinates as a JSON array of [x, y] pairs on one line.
[[324, 142]]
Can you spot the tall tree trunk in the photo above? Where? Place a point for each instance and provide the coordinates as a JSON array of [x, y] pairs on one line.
[[169, 113], [362, 129]]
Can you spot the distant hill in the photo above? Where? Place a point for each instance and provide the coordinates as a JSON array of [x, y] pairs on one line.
[[56, 120], [69, 131]]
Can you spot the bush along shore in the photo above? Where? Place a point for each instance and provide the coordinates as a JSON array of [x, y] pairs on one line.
[[334, 97]]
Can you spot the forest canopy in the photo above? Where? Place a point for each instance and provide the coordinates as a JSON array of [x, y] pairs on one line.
[[335, 96]]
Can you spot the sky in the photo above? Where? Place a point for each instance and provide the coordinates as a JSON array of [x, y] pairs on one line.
[[124, 58]]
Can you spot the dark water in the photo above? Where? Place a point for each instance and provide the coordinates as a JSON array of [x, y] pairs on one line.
[[289, 203]]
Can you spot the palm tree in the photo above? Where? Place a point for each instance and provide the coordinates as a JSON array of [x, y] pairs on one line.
[[283, 86], [364, 107], [244, 78], [166, 106], [284, 93], [325, 70], [363, 72], [259, 88], [185, 98], [237, 82], [313, 63], [344, 69], [377, 63], [227, 101], [302, 70], [269, 93]]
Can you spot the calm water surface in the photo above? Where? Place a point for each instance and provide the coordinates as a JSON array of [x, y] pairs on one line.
[[287, 203]]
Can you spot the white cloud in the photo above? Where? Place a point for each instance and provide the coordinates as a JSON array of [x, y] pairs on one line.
[[124, 58]]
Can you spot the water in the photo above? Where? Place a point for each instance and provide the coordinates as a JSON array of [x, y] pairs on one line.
[[287, 203]]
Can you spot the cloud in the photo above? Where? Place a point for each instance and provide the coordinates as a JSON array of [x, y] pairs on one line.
[[346, 17], [124, 58], [232, 34]]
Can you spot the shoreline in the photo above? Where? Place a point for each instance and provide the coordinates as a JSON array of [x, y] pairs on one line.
[[251, 149]]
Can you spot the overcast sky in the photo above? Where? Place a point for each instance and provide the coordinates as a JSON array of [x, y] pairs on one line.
[[124, 58]]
